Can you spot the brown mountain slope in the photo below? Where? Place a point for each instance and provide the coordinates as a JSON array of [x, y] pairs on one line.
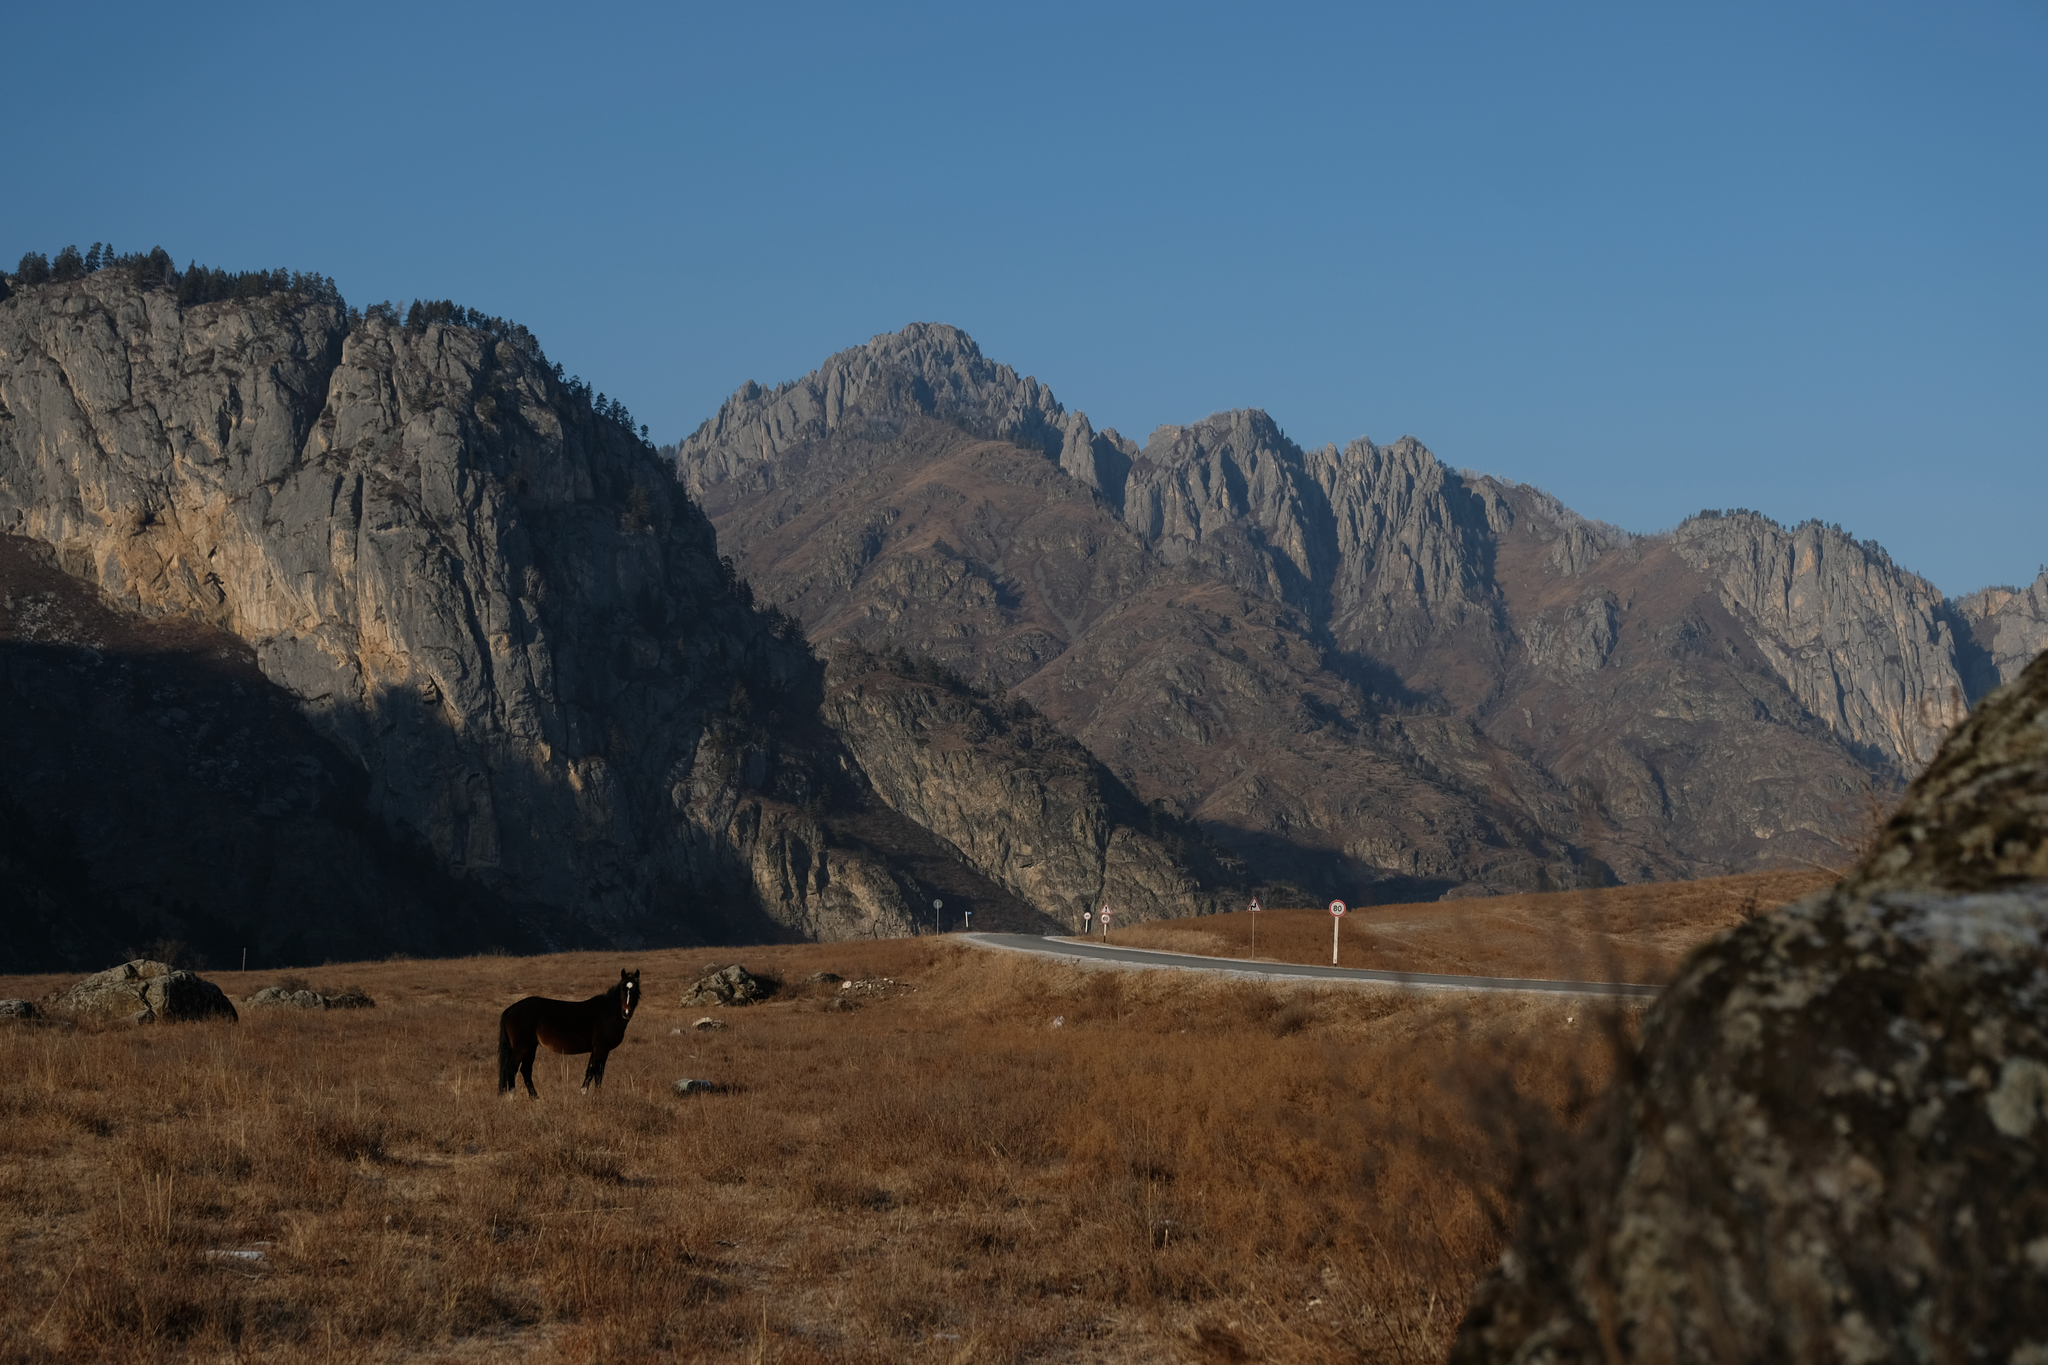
[[905, 529], [1357, 668]]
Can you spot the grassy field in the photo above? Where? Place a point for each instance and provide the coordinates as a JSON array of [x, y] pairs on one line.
[[1628, 933], [980, 1158]]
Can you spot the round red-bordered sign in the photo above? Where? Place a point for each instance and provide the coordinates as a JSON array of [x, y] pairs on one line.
[[1337, 907]]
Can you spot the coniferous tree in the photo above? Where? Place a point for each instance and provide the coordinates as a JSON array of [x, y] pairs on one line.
[[34, 268], [92, 259], [69, 265]]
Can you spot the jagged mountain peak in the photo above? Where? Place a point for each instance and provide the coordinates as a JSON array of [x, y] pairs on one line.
[[928, 369]]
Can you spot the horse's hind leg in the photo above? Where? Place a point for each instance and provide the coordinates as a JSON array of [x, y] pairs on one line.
[[517, 1042], [593, 1075]]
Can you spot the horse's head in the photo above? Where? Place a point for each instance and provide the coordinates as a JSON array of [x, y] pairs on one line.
[[628, 991]]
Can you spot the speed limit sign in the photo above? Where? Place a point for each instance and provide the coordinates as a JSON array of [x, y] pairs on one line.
[[1337, 909]]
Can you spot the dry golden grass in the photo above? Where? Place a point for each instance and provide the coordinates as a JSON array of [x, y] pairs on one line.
[[1625, 933], [1184, 1169]]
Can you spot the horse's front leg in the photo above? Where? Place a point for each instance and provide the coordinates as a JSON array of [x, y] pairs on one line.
[[594, 1073]]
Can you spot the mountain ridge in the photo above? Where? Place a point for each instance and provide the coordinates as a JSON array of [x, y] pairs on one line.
[[1429, 599]]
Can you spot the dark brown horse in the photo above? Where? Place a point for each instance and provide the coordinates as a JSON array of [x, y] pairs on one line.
[[594, 1026]]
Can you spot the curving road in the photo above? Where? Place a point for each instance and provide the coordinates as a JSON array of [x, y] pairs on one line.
[[1082, 951]]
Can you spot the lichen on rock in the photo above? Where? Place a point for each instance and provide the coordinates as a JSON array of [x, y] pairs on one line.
[[1832, 1143]]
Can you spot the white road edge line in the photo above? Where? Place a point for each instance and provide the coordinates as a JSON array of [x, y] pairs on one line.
[[1245, 969]]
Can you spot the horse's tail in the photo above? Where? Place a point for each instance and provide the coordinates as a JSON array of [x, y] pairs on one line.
[[508, 1069]]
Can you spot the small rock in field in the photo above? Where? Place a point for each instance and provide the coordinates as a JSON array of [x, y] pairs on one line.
[[353, 998], [733, 985], [1060, 1022], [707, 1022], [691, 1086], [823, 978], [18, 1009]]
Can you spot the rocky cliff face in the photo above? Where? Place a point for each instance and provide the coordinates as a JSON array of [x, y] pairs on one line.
[[155, 786], [1229, 495], [1863, 645], [1027, 806], [488, 596], [1356, 661], [1830, 1146], [2006, 629], [1413, 549]]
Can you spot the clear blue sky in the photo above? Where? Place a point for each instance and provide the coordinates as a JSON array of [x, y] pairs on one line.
[[1652, 258]]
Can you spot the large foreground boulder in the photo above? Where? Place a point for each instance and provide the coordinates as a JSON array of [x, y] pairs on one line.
[[146, 992], [1833, 1144]]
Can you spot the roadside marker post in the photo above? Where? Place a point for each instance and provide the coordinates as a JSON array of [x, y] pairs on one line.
[[936, 907], [1087, 924], [1336, 920], [1255, 929]]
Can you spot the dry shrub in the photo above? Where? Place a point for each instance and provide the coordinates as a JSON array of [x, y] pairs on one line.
[[1185, 1167]]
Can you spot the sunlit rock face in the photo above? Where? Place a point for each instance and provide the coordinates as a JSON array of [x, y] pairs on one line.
[[492, 598]]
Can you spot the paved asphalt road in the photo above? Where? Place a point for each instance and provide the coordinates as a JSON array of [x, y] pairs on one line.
[[1146, 957]]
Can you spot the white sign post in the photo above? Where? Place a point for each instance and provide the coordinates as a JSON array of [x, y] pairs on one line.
[[1255, 930], [1087, 923], [1104, 917], [936, 907], [1336, 919]]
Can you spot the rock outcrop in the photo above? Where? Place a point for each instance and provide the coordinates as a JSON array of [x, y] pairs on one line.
[[145, 992], [732, 985], [1832, 1143], [1863, 645], [285, 997], [2008, 627], [1024, 804], [484, 592]]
